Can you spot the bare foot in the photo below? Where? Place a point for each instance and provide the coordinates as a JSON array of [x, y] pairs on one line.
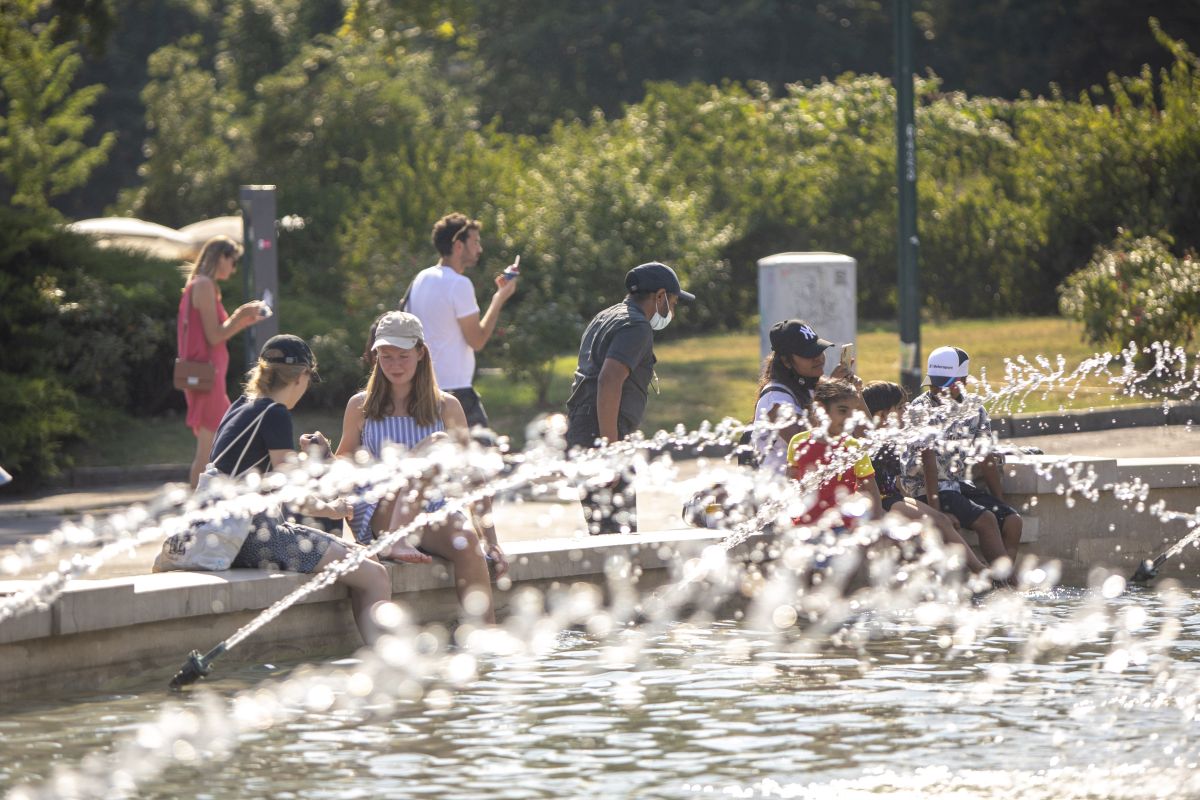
[[406, 554]]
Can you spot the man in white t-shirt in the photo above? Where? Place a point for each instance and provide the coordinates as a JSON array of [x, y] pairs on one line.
[[443, 298]]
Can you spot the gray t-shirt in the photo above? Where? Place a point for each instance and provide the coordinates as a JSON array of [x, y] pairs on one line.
[[623, 333]]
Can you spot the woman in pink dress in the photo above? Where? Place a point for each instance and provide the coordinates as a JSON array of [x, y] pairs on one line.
[[202, 328]]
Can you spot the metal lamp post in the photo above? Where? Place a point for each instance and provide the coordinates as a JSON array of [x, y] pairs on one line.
[[906, 185]]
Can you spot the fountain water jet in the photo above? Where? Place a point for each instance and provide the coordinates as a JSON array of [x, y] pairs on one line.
[[791, 623]]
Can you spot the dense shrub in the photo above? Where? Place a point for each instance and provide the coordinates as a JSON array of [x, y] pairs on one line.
[[84, 329], [343, 373], [41, 416], [1136, 290], [537, 334]]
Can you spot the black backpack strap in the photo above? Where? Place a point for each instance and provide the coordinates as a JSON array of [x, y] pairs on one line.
[[746, 454], [404, 300], [773, 386]]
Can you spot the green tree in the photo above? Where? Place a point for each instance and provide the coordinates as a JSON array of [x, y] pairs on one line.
[[199, 140], [42, 117]]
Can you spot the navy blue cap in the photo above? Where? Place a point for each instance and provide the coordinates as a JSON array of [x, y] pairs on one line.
[[654, 276], [797, 337], [288, 349]]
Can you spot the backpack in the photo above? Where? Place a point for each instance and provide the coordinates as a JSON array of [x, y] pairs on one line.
[[747, 456]]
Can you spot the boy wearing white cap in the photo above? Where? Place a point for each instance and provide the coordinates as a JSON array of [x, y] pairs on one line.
[[959, 436]]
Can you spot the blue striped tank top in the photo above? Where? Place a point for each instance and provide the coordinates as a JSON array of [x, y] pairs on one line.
[[398, 430], [377, 433]]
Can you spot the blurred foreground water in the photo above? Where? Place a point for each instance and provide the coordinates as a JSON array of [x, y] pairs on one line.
[[886, 707]]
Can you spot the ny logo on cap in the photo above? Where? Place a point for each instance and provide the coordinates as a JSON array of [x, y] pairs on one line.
[[808, 332]]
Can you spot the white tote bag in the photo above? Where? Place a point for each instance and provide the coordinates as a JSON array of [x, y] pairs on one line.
[[212, 542]]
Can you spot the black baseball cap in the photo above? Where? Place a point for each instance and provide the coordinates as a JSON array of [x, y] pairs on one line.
[[797, 337], [288, 349], [654, 276]]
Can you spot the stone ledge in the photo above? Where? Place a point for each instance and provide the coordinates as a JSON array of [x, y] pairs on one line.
[[1162, 473], [34, 625], [96, 605], [99, 628], [1042, 424], [1022, 475]]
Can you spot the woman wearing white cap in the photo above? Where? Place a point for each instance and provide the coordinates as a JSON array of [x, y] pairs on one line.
[[403, 405]]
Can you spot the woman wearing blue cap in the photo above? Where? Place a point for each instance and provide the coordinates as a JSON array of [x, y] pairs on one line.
[[612, 381], [255, 435]]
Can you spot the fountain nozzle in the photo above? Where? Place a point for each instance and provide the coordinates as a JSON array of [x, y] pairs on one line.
[[196, 667], [1147, 571]]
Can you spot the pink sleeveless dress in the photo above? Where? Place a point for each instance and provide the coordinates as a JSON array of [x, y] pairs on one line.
[[205, 409]]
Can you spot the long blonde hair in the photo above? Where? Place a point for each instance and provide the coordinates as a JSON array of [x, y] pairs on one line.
[[213, 251], [424, 399], [266, 377]]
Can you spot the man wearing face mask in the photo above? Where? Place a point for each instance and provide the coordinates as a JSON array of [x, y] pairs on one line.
[[616, 367]]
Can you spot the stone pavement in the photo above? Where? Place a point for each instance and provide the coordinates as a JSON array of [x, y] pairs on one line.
[[22, 517], [1160, 442]]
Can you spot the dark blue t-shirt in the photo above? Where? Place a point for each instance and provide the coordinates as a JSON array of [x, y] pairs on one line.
[[240, 430]]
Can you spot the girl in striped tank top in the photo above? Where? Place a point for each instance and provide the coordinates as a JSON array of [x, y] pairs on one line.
[[403, 405]]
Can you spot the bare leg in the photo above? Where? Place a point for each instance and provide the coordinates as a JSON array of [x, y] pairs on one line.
[[459, 544], [913, 509], [990, 541], [369, 585], [1012, 535], [204, 443], [394, 513]]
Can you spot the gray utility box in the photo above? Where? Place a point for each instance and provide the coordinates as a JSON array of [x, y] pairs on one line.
[[817, 287]]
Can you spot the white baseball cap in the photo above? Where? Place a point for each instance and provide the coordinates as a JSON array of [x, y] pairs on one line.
[[947, 365], [399, 329]]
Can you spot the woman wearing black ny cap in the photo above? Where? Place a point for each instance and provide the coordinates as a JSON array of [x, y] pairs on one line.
[[256, 435], [790, 373]]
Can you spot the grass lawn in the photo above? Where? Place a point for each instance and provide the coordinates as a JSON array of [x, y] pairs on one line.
[[123, 440], [712, 377], [701, 378]]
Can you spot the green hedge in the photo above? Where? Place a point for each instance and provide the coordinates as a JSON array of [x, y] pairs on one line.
[[85, 330], [372, 138]]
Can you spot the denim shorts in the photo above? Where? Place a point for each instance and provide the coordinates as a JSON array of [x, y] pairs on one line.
[[472, 406]]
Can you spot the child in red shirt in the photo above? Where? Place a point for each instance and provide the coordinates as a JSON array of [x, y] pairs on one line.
[[839, 399]]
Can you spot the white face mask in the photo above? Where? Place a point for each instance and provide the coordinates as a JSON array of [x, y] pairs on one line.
[[658, 321]]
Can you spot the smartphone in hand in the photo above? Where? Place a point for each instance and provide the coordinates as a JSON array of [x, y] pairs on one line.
[[846, 359], [513, 270], [265, 309]]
